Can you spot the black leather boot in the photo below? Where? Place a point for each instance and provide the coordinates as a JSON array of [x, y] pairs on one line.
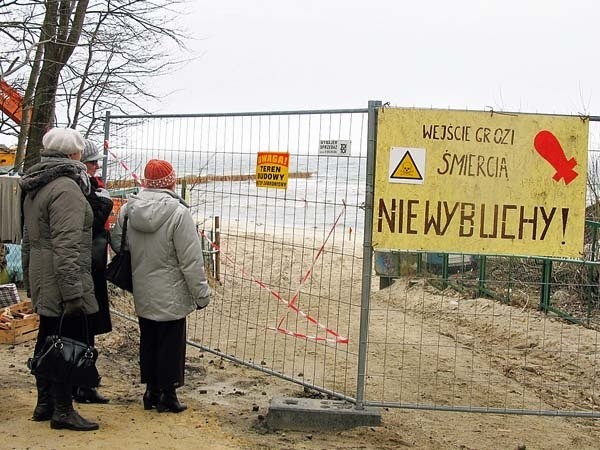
[[45, 405], [88, 395], [168, 402], [65, 417], [151, 396]]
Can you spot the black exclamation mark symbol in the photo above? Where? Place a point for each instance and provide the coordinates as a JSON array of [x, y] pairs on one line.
[[565, 217]]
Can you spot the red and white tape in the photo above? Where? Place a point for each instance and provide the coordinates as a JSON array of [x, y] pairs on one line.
[[291, 304], [120, 161]]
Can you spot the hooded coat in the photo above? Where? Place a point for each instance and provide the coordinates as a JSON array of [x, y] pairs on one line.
[[166, 255], [57, 236]]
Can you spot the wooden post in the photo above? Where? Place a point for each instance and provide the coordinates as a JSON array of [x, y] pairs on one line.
[[183, 188], [218, 252]]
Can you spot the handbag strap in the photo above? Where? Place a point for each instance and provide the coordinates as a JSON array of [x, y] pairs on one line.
[[85, 325], [124, 244]]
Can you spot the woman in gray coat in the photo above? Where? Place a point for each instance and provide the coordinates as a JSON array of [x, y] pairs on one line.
[[56, 253], [168, 280]]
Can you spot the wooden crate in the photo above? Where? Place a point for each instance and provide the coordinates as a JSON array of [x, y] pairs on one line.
[[18, 323]]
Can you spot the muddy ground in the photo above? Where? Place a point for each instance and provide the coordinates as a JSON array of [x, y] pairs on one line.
[[227, 408]]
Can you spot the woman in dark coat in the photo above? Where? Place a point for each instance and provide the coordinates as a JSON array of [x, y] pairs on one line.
[[56, 256], [99, 200]]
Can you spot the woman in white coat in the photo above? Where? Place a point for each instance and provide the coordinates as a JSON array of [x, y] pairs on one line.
[[168, 280]]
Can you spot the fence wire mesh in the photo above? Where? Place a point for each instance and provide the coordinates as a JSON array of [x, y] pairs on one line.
[[283, 263], [10, 264], [481, 340], [489, 333]]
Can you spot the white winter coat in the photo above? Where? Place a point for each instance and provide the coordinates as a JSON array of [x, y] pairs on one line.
[[166, 256]]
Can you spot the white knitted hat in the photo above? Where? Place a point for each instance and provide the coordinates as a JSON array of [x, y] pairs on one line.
[[63, 140]]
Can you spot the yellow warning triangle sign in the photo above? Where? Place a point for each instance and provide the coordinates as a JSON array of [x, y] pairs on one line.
[[406, 169]]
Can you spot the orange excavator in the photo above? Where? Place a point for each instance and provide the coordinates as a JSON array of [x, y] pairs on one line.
[[11, 104]]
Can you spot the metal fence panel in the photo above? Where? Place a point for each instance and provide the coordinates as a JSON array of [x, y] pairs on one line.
[[287, 291], [487, 334], [464, 334]]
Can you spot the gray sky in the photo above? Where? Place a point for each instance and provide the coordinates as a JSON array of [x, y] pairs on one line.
[[518, 55]]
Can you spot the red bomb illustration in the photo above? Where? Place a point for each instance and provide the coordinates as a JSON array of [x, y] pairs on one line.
[[550, 149]]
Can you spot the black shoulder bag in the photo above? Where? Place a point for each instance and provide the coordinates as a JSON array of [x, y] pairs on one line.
[[118, 271], [66, 360]]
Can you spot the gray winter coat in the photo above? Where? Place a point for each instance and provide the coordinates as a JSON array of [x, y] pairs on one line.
[[166, 256], [57, 236]]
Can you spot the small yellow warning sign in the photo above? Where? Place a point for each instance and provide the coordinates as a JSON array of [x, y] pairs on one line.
[[406, 169], [272, 170], [407, 165]]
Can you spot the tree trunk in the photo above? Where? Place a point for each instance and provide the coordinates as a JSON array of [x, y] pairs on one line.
[[63, 23], [28, 107], [43, 110]]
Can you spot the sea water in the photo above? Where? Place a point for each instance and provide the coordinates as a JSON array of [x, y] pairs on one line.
[[334, 190]]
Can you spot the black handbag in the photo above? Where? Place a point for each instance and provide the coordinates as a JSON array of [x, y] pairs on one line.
[[118, 271], [66, 360]]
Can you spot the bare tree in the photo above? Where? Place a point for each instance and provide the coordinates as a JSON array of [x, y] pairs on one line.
[[120, 47], [28, 107], [19, 34], [63, 23]]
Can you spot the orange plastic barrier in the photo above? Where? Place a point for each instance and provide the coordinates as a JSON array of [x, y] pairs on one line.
[[117, 203]]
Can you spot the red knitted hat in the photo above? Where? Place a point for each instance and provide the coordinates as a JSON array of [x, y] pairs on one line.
[[159, 174]]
